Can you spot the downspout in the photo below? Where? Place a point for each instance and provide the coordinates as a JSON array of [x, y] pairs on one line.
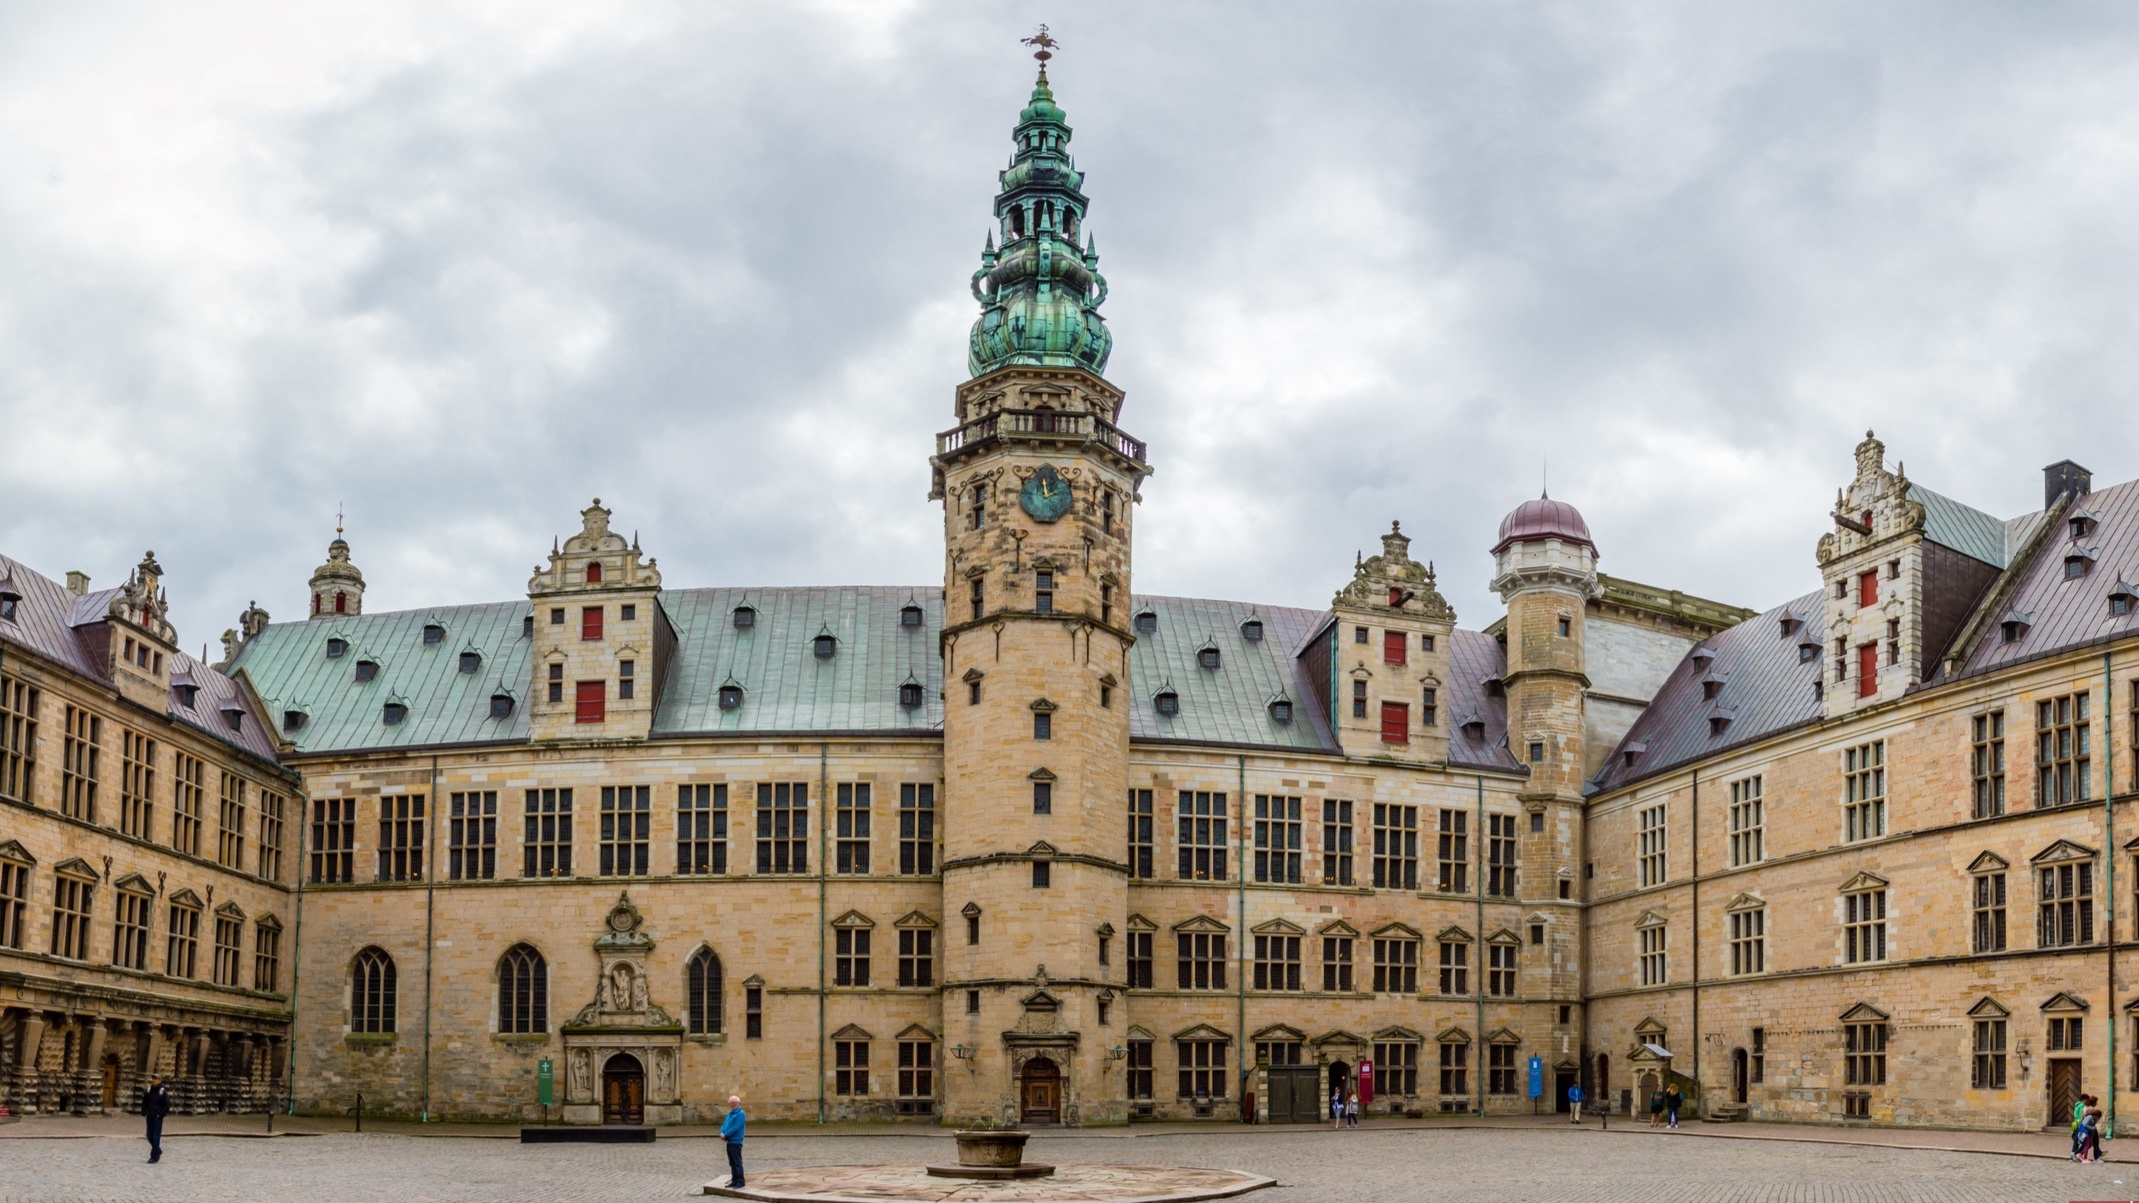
[[1697, 938], [1478, 835], [1240, 977], [430, 936], [297, 939], [2109, 823], [823, 851]]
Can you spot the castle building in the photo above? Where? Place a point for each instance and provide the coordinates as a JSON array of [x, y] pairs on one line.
[[1027, 845]]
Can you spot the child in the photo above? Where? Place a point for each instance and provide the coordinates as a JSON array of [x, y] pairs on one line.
[[1351, 1110], [2091, 1142]]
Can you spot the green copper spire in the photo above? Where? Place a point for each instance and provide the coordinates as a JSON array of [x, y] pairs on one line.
[[1040, 294]]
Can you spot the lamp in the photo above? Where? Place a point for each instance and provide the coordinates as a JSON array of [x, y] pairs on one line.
[[961, 1052], [1117, 1052]]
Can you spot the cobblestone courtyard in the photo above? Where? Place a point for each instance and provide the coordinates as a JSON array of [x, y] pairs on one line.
[[1505, 1165]]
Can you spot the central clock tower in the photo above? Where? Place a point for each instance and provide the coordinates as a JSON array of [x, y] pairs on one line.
[[1037, 481]]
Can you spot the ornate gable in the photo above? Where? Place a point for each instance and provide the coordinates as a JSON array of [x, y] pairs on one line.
[[1398, 1034], [1393, 573], [2062, 850], [2065, 1001], [1139, 923], [1862, 882], [1278, 927], [852, 1032], [854, 919], [1280, 1031], [915, 919], [1987, 1008], [1988, 862], [1745, 902], [1200, 923], [14, 851], [75, 866], [1337, 927], [1452, 935], [1864, 1013], [1395, 931], [1203, 1031]]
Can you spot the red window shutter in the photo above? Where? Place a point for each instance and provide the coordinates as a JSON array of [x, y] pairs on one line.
[[1395, 722], [341, 603], [1392, 646], [1867, 670], [594, 572], [590, 623], [1396, 595], [593, 702], [1868, 588]]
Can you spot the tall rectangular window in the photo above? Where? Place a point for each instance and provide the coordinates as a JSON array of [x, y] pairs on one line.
[[1986, 764], [1140, 1069], [590, 702], [1396, 966], [1396, 846], [1757, 1071], [189, 786], [917, 1076], [1201, 960], [1864, 800], [272, 807], [333, 839], [850, 956], [2063, 763], [1500, 1068], [976, 596], [14, 902], [702, 828], [472, 836], [627, 819], [1337, 964], [130, 931], [590, 623], [230, 823], [401, 837], [137, 784], [1396, 1069], [1868, 589], [1394, 645], [229, 932], [1454, 852], [2066, 904], [1140, 960], [1748, 823], [1429, 703], [80, 752], [1455, 968], [1336, 841], [72, 900], [784, 827], [1359, 697], [1867, 669], [546, 848], [1500, 863], [1988, 1069], [1203, 837], [182, 942], [1864, 926], [1277, 839], [1277, 962], [917, 956], [917, 829], [1652, 850], [267, 957], [1500, 965], [850, 1068], [1202, 1067], [18, 738], [753, 1012], [1988, 913], [2065, 1034], [1043, 592], [1864, 1054], [1655, 951], [1749, 941], [1141, 835], [1396, 722], [1455, 1073]]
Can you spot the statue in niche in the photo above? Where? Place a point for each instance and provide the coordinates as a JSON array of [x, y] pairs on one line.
[[619, 986], [638, 994], [582, 1072], [664, 1074]]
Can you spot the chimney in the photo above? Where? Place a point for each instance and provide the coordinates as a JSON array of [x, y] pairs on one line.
[[77, 582], [2064, 477]]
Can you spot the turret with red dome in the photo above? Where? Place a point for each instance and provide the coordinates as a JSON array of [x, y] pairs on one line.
[[1543, 518]]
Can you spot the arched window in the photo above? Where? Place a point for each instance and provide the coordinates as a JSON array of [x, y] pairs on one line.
[[523, 991], [702, 989], [372, 992]]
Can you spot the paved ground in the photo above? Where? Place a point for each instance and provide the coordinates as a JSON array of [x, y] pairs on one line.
[[80, 1160]]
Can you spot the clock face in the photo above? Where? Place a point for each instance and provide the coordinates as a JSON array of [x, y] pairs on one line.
[[1046, 495]]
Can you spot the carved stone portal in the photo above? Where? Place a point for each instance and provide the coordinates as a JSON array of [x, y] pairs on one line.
[[623, 1050]]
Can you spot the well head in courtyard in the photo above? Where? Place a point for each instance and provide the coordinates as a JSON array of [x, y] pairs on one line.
[[914, 1184]]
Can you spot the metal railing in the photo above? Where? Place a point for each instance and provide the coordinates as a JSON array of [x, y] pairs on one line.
[[1040, 424]]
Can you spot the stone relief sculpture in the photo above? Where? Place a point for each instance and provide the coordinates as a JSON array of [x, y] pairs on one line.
[[582, 1071]]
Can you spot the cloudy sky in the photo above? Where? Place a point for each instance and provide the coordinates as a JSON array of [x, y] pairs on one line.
[[463, 267]]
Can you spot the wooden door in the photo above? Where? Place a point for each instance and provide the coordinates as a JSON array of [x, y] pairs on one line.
[[1040, 1088], [2064, 1091], [623, 1090], [1739, 1076], [111, 1082]]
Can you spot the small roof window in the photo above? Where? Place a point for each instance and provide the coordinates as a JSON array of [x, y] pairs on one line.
[[234, 716], [2123, 598], [9, 600], [1807, 652], [366, 670], [2082, 523], [2078, 562], [1281, 709], [1207, 656], [731, 696], [910, 694], [186, 691], [433, 633], [1168, 702], [825, 646], [745, 617], [337, 647], [1251, 629], [910, 615], [527, 626], [395, 712], [1147, 623], [2014, 625], [1474, 728], [293, 720], [471, 661], [501, 705]]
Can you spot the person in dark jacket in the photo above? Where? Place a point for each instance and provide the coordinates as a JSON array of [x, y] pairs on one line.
[[731, 1131], [155, 1104], [1672, 1100]]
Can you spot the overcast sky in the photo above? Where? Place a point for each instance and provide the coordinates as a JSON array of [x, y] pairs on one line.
[[464, 267]]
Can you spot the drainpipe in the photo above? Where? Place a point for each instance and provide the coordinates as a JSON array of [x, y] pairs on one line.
[[1240, 978], [2109, 823], [297, 943], [1697, 939], [430, 936], [1478, 834], [824, 805]]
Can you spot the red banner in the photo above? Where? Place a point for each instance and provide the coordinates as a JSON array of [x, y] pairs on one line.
[[1366, 1083]]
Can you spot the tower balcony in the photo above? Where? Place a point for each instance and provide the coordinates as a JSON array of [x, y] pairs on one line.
[[1038, 426]]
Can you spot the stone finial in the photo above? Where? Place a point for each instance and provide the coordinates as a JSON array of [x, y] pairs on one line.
[[1871, 455]]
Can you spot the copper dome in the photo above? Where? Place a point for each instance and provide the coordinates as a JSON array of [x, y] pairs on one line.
[[1543, 518]]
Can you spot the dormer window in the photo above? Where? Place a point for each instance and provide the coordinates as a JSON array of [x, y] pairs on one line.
[[1711, 687], [9, 600], [527, 626], [731, 697], [745, 618], [1147, 623], [2123, 599], [1252, 630], [1474, 729], [1495, 687], [910, 695], [1717, 723], [366, 670], [1207, 657], [293, 720], [1807, 652], [2082, 523], [186, 694], [337, 648], [1281, 710], [594, 572], [2077, 564], [825, 647], [471, 662], [1168, 702], [1790, 624], [501, 705], [394, 713], [234, 716], [910, 615], [2014, 625], [433, 633]]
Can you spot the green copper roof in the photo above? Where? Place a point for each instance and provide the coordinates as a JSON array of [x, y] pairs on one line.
[[1040, 295]]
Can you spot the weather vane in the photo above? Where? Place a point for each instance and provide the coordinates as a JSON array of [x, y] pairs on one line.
[[1043, 46], [337, 517]]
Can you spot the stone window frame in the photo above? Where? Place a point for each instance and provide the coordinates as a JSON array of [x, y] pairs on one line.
[[267, 955], [1865, 917], [915, 1088], [228, 954], [1395, 952], [374, 993], [1203, 835], [2064, 750], [1140, 951], [1396, 1062], [1455, 962], [1201, 954], [851, 952], [624, 832], [850, 1062], [17, 868], [472, 835], [522, 978], [917, 951], [1454, 1068], [1987, 899], [1988, 1044], [1748, 821], [1452, 851], [1652, 851], [853, 804], [2065, 884], [1864, 791], [1866, 1033], [1200, 1056], [1276, 961], [1338, 841], [1503, 964], [1279, 838], [81, 759], [1339, 957], [182, 936], [1395, 848], [1653, 949], [704, 992], [133, 923], [1746, 920]]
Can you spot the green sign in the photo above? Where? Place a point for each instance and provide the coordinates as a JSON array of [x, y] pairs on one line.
[[545, 1082]]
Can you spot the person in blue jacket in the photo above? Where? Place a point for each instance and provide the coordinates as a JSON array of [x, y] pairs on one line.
[[731, 1131]]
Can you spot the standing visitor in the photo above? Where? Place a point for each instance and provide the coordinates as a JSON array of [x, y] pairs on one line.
[[1351, 1110], [1656, 1107], [1672, 1100], [1336, 1108], [731, 1131], [1574, 1102], [155, 1104]]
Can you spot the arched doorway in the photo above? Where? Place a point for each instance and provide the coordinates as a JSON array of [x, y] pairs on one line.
[[1340, 1078], [111, 1080], [1040, 1092], [1600, 1091], [623, 1090], [1739, 1075], [1645, 1085]]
